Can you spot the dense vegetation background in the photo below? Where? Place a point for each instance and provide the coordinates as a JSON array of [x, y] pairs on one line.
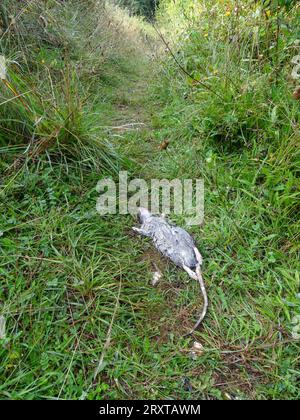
[[146, 8], [210, 91]]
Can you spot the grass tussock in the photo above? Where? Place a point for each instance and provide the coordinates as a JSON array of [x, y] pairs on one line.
[[57, 56]]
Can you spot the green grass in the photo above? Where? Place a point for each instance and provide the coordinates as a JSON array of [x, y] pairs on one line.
[[76, 289]]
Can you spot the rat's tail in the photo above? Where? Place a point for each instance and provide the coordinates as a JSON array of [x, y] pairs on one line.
[[197, 275], [205, 299]]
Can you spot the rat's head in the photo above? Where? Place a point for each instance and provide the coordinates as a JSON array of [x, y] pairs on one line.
[[143, 214]]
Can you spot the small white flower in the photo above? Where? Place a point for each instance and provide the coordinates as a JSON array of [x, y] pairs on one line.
[[198, 348]]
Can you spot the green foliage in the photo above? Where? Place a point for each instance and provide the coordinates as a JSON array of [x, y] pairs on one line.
[[239, 65], [145, 8], [275, 4]]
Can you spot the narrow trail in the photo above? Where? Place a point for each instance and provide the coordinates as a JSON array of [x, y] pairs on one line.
[[133, 114], [137, 139]]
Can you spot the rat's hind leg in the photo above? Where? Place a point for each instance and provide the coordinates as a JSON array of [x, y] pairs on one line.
[[140, 231], [190, 272]]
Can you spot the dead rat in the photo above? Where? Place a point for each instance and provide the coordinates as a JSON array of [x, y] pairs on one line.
[[177, 245]]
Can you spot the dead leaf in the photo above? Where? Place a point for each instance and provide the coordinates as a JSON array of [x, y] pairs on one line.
[[164, 144], [296, 93]]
